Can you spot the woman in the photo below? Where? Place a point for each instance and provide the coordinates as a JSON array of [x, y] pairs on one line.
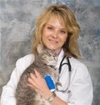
[[56, 29]]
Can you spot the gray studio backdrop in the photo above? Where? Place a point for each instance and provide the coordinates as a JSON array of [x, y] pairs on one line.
[[17, 24]]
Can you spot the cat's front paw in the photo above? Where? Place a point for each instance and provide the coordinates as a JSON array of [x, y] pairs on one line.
[[58, 86]]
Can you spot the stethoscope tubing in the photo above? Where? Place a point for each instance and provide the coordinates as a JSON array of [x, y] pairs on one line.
[[70, 69]]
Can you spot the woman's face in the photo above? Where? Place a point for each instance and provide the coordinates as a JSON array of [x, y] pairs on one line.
[[54, 35]]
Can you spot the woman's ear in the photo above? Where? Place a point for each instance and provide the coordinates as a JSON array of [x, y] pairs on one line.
[[39, 48]]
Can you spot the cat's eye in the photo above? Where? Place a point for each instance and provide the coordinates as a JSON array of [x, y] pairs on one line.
[[43, 56]]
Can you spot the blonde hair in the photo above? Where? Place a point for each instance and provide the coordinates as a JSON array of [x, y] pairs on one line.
[[68, 20]]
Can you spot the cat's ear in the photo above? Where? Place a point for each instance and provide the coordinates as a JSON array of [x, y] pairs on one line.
[[40, 48]]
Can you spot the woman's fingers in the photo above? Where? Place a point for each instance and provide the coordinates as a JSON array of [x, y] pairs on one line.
[[38, 75], [35, 76], [32, 87], [32, 76], [34, 79], [31, 80]]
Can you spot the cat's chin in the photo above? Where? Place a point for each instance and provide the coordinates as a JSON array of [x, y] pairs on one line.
[[52, 63]]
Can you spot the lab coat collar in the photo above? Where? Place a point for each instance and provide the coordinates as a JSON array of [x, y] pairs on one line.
[[60, 56]]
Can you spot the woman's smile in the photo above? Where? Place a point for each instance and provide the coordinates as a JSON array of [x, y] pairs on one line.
[[53, 41]]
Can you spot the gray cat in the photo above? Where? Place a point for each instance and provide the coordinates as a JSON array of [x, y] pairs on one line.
[[45, 63]]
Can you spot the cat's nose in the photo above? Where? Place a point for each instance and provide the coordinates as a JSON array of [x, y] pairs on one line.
[[55, 58]]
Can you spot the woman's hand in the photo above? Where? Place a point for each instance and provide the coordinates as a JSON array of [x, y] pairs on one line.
[[38, 83]]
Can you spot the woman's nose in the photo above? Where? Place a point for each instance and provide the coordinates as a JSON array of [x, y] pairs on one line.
[[55, 34]]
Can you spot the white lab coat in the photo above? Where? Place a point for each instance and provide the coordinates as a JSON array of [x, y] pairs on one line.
[[81, 91]]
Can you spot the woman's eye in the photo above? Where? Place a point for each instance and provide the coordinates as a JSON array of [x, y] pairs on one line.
[[50, 28], [62, 31]]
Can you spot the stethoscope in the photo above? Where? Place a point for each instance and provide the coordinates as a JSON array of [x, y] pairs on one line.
[[70, 69]]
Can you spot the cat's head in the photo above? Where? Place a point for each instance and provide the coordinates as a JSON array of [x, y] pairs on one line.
[[48, 56]]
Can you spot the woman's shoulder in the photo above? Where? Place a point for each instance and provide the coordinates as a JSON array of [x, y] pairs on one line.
[[79, 67], [25, 60], [76, 62], [28, 57]]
